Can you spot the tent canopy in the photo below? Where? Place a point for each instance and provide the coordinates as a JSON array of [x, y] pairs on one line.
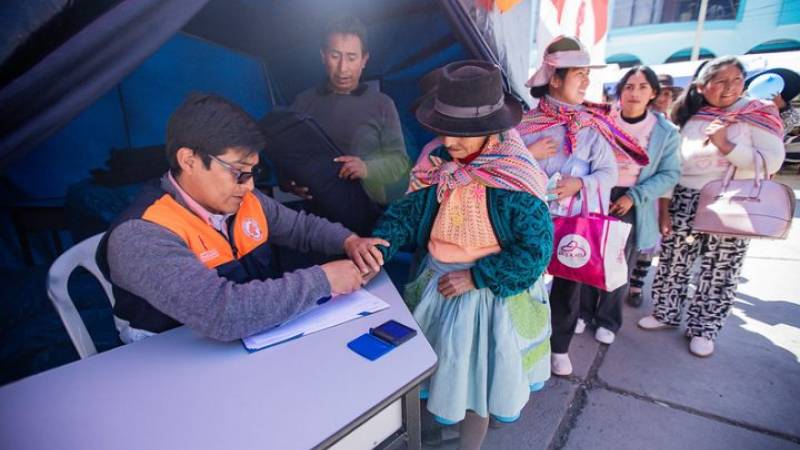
[[81, 78]]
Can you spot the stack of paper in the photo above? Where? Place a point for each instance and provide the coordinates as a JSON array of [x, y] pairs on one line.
[[339, 309]]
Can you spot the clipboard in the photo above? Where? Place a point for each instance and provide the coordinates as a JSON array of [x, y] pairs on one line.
[[329, 312]]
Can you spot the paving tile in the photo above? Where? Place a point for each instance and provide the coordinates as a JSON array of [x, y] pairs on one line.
[[538, 424], [582, 351], [612, 421], [752, 376]]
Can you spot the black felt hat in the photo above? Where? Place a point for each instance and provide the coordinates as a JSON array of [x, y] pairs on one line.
[[469, 101], [427, 86]]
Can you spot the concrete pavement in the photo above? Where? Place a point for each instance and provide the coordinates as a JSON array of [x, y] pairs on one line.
[[646, 391]]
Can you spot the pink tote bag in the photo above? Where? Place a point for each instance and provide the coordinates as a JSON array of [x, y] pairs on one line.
[[590, 248]]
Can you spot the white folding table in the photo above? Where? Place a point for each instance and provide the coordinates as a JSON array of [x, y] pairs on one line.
[[181, 390]]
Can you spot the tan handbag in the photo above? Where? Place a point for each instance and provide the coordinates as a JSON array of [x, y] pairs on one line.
[[749, 208]]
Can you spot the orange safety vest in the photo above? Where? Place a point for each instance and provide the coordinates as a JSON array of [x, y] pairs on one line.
[[250, 229]]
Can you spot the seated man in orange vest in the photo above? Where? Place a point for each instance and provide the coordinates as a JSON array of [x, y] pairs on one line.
[[193, 249]]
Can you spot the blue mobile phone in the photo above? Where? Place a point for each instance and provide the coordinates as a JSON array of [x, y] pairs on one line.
[[393, 332], [369, 346], [381, 339]]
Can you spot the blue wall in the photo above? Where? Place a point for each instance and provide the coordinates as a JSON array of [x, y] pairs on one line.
[[135, 113], [67, 156], [182, 65]]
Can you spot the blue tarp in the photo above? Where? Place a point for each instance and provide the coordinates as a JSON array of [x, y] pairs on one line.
[[135, 112]]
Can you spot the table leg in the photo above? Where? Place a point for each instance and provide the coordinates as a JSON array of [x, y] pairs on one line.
[[411, 417]]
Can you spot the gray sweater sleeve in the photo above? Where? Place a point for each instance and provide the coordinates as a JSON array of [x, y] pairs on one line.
[[153, 263], [302, 231]]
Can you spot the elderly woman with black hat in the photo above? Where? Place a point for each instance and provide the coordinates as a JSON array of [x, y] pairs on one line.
[[584, 157], [475, 203]]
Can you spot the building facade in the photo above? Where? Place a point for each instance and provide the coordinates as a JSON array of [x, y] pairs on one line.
[[663, 31]]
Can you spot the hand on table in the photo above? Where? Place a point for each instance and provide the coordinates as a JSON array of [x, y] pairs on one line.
[[369, 276]]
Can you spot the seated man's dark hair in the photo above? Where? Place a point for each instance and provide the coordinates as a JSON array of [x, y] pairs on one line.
[[210, 125], [346, 25]]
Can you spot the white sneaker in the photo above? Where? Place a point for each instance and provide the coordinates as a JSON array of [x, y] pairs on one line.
[[560, 364], [580, 327], [701, 346], [604, 336], [651, 323]]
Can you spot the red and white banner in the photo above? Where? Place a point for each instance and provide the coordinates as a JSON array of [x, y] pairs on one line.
[[586, 19]]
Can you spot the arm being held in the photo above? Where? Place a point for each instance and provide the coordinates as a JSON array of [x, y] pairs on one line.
[[400, 223]]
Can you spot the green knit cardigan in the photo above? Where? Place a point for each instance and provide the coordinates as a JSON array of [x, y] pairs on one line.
[[521, 223]]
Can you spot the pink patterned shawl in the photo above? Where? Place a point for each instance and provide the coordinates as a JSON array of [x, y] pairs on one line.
[[503, 164], [756, 112], [593, 115]]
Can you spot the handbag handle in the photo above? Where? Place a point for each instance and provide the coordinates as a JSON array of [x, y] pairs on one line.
[[764, 175], [585, 201], [757, 179]]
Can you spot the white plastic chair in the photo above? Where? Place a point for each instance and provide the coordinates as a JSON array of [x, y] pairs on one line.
[[81, 254]]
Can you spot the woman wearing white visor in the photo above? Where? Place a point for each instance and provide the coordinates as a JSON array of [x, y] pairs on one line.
[[577, 140]]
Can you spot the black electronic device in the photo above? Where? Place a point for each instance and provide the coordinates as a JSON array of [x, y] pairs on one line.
[[393, 332]]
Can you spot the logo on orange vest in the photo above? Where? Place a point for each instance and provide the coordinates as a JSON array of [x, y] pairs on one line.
[[208, 255], [251, 229]]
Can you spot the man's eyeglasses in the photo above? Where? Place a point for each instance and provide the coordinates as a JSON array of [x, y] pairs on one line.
[[242, 177]]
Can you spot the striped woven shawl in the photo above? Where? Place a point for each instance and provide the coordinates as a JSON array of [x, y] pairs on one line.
[[758, 113], [593, 115], [504, 163]]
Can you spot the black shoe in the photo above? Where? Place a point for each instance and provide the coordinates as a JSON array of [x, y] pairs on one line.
[[432, 438], [436, 437], [635, 299]]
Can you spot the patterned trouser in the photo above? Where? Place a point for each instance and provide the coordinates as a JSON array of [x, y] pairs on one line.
[[721, 261]]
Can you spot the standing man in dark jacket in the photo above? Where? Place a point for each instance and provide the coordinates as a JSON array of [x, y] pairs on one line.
[[359, 119]]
